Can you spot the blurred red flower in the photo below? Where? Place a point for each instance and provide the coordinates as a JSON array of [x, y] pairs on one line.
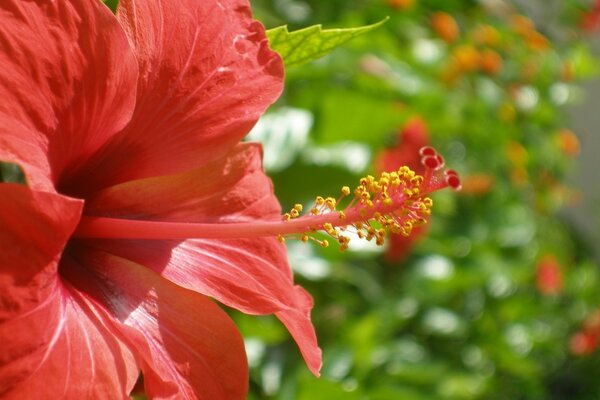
[[136, 117], [587, 340], [549, 277], [590, 19], [411, 138]]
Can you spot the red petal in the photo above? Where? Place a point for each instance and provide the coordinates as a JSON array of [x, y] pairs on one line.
[[188, 347], [251, 275], [67, 80], [206, 75], [300, 326], [27, 254], [230, 189], [50, 342], [61, 348]]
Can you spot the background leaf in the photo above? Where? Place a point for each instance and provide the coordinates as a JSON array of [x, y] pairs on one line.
[[308, 44]]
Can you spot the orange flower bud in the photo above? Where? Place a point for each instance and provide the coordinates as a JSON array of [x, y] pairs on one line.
[[521, 24], [568, 142], [400, 4], [537, 41], [445, 26], [487, 35], [478, 184], [491, 62], [466, 58]]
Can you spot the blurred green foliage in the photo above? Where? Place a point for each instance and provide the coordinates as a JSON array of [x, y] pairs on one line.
[[472, 312]]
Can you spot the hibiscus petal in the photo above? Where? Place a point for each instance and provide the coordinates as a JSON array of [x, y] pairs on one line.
[[252, 275], [51, 346], [233, 188], [60, 350], [188, 347], [35, 228], [68, 81], [206, 75]]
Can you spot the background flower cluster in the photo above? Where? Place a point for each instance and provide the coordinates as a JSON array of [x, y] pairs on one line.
[[497, 297]]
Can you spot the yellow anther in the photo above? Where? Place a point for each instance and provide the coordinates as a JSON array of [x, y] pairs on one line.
[[380, 233], [304, 238], [387, 202], [331, 203], [327, 227], [298, 207], [294, 213], [281, 239], [342, 215], [287, 217], [428, 202], [320, 200], [384, 181], [417, 180], [345, 190], [394, 228], [420, 221], [380, 241], [314, 211], [324, 243], [365, 195]]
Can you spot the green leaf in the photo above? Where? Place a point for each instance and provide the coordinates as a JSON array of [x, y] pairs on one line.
[[112, 4], [11, 173], [310, 43]]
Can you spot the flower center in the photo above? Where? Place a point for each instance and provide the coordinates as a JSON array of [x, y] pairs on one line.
[[395, 202]]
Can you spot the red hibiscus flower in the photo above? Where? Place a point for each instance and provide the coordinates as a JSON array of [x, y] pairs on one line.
[[141, 203], [406, 152], [137, 116]]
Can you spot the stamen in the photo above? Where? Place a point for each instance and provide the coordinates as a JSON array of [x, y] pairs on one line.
[[395, 202]]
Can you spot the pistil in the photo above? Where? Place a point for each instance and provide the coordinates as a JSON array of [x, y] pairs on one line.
[[395, 202]]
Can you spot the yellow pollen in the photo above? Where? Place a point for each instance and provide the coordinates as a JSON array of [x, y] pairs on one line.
[[330, 203], [391, 203]]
